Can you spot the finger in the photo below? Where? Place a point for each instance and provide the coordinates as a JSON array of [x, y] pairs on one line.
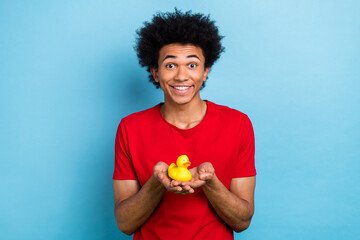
[[202, 170], [160, 176], [197, 183], [175, 189], [175, 183], [204, 176], [188, 190], [191, 190], [185, 184], [164, 180]]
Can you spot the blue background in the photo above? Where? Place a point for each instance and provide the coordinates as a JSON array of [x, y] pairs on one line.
[[68, 74]]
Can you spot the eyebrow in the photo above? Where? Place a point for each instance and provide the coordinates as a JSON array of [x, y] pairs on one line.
[[172, 56]]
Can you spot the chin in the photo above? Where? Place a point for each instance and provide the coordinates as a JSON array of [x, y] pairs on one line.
[[181, 101]]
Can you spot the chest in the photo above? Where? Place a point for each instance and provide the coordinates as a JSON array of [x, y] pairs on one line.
[[217, 146]]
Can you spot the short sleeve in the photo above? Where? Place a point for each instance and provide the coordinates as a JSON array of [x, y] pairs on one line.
[[245, 162], [124, 169]]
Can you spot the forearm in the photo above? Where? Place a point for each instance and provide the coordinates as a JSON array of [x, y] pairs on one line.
[[234, 211], [133, 212]]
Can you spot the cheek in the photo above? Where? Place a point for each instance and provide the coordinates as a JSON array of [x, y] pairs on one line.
[[201, 76], [165, 76]]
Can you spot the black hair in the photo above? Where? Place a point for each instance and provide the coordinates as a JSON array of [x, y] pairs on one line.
[[177, 27]]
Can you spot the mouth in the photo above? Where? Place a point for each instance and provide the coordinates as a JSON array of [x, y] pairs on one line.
[[181, 89], [187, 164]]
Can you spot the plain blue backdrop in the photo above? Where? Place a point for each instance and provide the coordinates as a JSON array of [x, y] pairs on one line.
[[68, 74]]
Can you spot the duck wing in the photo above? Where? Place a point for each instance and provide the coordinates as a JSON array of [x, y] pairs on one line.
[[172, 170]]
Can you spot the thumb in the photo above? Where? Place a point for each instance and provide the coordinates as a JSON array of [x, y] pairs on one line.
[[205, 176], [160, 175]]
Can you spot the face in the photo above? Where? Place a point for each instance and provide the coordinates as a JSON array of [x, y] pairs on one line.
[[183, 160], [180, 72]]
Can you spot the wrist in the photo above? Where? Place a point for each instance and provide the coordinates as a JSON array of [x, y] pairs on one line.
[[156, 183], [210, 183]]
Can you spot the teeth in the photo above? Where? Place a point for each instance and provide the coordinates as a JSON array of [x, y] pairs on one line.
[[181, 88]]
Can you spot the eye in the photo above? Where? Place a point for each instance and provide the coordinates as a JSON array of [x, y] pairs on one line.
[[183, 160], [170, 65], [192, 65]]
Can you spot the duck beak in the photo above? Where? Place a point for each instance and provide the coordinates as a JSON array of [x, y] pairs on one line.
[[187, 164]]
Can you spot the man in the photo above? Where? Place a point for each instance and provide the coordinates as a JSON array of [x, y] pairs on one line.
[[178, 50]]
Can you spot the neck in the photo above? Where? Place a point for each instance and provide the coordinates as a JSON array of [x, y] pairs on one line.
[[184, 116]]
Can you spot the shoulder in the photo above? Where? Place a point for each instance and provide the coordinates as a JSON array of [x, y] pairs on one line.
[[230, 119], [226, 112], [141, 118]]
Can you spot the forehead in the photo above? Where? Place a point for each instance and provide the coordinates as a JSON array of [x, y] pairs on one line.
[[180, 51]]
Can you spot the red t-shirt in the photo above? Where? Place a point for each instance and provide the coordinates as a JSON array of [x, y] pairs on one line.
[[224, 137]]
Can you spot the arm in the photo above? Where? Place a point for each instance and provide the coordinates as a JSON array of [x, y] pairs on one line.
[[235, 206], [134, 205]]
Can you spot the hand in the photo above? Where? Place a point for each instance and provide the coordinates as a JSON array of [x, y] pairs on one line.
[[160, 171], [200, 175]]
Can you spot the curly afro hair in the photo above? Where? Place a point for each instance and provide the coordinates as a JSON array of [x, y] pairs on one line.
[[177, 27]]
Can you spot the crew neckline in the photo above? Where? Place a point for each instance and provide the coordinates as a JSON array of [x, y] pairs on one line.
[[208, 105]]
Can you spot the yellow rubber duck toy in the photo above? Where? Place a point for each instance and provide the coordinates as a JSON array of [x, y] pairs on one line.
[[180, 172]]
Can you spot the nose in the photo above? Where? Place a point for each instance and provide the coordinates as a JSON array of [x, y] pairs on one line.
[[181, 74]]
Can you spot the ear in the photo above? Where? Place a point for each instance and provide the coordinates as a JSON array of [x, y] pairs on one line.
[[206, 72], [154, 73]]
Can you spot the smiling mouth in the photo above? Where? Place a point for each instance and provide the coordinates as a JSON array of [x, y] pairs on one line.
[[181, 88]]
